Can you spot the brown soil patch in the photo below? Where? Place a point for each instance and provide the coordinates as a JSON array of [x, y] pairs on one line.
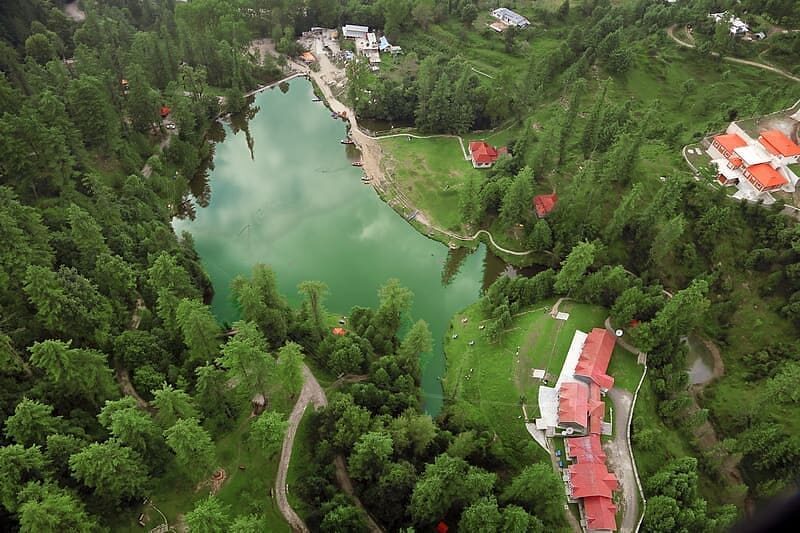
[[215, 482]]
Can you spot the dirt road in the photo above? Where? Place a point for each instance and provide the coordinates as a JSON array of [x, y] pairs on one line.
[[311, 393], [619, 459], [764, 66]]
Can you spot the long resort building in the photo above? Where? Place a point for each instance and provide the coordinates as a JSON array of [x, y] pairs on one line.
[[574, 409]]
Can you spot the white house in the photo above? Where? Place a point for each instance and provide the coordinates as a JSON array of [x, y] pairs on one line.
[[506, 16], [351, 31]]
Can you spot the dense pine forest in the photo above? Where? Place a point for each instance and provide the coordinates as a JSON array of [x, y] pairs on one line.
[[117, 381]]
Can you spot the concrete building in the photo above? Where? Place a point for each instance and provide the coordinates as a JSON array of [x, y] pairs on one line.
[[510, 18], [755, 167], [352, 31]]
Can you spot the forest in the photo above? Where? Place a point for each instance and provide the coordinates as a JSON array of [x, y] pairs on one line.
[[98, 295]]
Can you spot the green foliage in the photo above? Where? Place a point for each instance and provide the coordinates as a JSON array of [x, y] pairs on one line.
[[32, 422], [209, 516], [266, 432], [18, 466], [537, 489], [200, 329], [172, 405], [193, 448], [49, 509], [574, 267], [114, 471], [370, 456], [448, 484]]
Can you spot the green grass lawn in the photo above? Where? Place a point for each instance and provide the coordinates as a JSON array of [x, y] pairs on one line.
[[488, 380], [430, 172]]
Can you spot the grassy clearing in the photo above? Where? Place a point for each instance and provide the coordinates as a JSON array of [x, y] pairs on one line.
[[488, 380], [430, 172], [624, 368]]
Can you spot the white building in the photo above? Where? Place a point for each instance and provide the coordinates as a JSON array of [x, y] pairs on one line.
[[737, 25], [755, 167], [351, 31], [506, 16]]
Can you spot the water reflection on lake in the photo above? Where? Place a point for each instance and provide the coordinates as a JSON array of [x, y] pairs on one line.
[[282, 192]]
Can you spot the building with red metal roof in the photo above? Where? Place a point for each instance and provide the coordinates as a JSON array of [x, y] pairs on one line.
[[778, 143], [727, 143], [600, 514], [764, 178], [594, 359], [544, 203], [339, 331], [482, 154], [586, 449], [591, 479]]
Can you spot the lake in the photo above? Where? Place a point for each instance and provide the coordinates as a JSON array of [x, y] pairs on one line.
[[294, 202]]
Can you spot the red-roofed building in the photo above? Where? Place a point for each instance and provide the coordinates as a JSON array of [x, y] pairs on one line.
[[165, 111], [777, 143], [339, 331], [764, 178], [573, 402], [441, 527], [726, 144], [594, 359], [596, 410], [544, 203], [591, 479], [482, 154], [586, 449], [600, 514]]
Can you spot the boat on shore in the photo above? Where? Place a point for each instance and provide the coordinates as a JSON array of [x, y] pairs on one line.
[[357, 163], [316, 99], [347, 140]]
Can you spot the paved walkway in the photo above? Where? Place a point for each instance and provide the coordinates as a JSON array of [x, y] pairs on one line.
[[619, 459], [371, 152], [764, 66]]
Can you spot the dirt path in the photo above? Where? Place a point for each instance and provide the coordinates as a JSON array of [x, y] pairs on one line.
[[764, 66], [641, 356], [311, 393], [619, 459], [121, 373], [371, 152]]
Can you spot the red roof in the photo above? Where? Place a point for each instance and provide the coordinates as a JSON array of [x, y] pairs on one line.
[[586, 449], [591, 479], [441, 527], [339, 331], [600, 513], [482, 152], [165, 111], [767, 176], [778, 143], [597, 410], [595, 356], [736, 161], [544, 203], [730, 141], [573, 399]]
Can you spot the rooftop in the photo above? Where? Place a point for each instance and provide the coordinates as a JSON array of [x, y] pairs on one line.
[[600, 513], [595, 356], [544, 203], [573, 399], [778, 143], [753, 154], [766, 176], [482, 152], [586, 449], [730, 141], [591, 479], [511, 16]]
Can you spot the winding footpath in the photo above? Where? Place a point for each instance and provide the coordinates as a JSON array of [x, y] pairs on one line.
[[311, 393], [764, 66], [371, 151]]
